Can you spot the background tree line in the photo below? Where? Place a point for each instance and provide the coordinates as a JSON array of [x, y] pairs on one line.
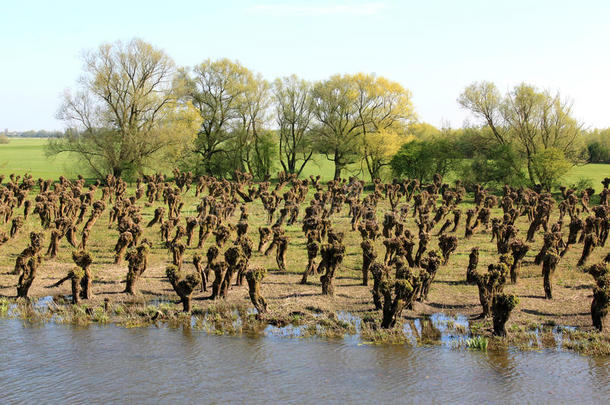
[[524, 137], [33, 134], [134, 111]]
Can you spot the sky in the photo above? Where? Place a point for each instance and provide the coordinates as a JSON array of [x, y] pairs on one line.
[[433, 48]]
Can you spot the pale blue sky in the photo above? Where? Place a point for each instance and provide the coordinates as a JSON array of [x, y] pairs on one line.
[[433, 48]]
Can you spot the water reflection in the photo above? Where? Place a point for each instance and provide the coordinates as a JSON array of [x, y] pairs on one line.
[[56, 363]]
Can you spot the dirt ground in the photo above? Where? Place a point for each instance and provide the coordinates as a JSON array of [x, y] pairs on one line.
[[572, 289]]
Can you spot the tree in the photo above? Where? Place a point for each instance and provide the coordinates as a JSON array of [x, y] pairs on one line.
[[293, 113], [496, 165], [379, 148], [530, 119], [598, 145], [262, 161], [422, 159], [423, 130], [339, 128], [550, 165], [385, 111], [483, 99], [216, 89], [254, 145], [126, 112], [347, 108]]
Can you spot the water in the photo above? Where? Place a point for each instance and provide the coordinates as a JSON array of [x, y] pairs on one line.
[[54, 363]]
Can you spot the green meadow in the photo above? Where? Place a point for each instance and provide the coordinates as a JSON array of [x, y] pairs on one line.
[[27, 155]]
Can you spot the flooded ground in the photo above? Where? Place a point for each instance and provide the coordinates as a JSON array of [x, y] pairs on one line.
[[53, 363]]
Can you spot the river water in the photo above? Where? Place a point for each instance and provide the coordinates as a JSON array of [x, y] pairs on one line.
[[53, 363]]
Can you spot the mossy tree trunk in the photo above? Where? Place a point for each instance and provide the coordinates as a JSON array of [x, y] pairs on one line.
[[502, 306], [254, 277]]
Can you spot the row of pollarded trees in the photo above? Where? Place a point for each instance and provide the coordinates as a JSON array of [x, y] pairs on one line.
[[134, 107]]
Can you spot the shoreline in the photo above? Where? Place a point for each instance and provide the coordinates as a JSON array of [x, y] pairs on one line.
[[454, 331]]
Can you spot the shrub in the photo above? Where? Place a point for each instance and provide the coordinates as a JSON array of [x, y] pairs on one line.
[[422, 159], [494, 167], [550, 165]]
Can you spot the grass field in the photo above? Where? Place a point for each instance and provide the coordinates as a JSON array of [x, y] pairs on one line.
[[27, 155], [593, 172]]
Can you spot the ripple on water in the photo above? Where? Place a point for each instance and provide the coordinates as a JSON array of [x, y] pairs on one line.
[[57, 363]]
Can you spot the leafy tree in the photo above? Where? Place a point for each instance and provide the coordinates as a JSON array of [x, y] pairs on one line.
[[379, 149], [216, 89], [422, 159], [551, 165], [483, 99], [530, 119], [253, 141], [411, 161], [423, 130], [598, 145], [347, 108], [126, 114], [385, 110], [262, 163], [293, 114], [494, 166], [233, 103], [338, 130]]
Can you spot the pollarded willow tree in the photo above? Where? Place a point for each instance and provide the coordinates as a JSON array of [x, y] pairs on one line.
[[537, 123], [125, 114]]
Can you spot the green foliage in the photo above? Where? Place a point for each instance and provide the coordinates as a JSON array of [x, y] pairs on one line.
[[257, 273], [4, 304], [264, 156], [550, 165], [78, 272], [232, 103], [598, 145], [347, 107], [422, 159], [293, 114], [494, 167], [423, 130], [582, 183], [507, 301], [528, 118], [477, 343], [598, 153], [125, 115]]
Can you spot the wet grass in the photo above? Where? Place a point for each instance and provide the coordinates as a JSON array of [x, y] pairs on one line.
[[224, 318], [477, 343]]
